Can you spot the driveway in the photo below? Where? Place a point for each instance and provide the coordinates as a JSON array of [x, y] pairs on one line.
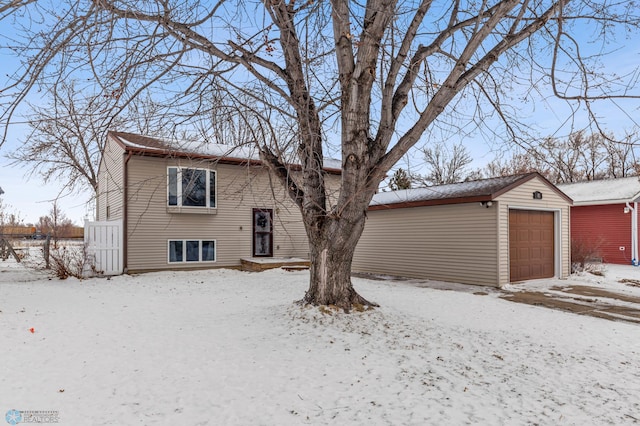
[[608, 291], [581, 300]]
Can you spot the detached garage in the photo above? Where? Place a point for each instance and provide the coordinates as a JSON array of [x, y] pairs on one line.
[[487, 232]]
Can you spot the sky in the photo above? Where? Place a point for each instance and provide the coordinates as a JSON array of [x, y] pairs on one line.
[[27, 196], [31, 198]]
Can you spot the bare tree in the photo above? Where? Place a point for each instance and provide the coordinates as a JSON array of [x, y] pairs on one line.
[[66, 138], [56, 224], [68, 133], [578, 157], [621, 156], [445, 165], [517, 164], [9, 217], [324, 67], [559, 158]]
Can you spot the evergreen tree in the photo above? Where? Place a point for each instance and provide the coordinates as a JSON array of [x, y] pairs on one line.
[[400, 180]]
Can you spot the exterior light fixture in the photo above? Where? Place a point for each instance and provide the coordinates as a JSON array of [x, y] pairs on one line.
[[537, 195], [626, 209], [486, 204]]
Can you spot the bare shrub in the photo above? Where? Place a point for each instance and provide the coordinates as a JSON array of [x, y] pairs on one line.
[[67, 262], [585, 254]]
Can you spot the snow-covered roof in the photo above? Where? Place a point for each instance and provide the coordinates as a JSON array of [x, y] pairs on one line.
[[232, 153], [478, 190], [608, 191]]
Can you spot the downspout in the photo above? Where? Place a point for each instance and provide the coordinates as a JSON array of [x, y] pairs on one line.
[[125, 210], [634, 232]]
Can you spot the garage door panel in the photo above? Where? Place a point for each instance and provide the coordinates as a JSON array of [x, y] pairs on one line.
[[523, 253], [523, 235], [535, 254], [534, 269], [531, 244], [534, 236]]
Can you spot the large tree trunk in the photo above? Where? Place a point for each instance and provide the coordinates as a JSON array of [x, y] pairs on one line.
[[333, 231], [331, 255]]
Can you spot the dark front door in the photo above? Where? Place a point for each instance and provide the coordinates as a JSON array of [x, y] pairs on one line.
[[262, 232]]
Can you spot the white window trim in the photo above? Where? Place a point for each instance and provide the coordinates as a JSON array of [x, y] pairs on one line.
[[179, 207], [184, 251]]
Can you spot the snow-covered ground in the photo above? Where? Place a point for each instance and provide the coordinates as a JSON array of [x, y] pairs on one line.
[[623, 279], [224, 347]]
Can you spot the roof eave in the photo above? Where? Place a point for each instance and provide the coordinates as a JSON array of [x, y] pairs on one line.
[[150, 152], [605, 202], [474, 198], [157, 152], [437, 202]]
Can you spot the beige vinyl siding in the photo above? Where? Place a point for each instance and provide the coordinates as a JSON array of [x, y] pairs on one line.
[[110, 182], [522, 197], [455, 242], [239, 190]]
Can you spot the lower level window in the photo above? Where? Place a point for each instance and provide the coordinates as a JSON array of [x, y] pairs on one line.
[[192, 251]]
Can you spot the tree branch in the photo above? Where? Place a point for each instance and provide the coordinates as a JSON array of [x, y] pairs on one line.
[[282, 172]]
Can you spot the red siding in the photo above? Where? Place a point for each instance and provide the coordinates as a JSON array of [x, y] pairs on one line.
[[606, 228]]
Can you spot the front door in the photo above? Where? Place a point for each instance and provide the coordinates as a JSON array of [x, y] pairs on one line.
[[262, 232]]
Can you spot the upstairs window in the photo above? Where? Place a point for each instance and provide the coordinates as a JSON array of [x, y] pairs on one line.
[[189, 187]]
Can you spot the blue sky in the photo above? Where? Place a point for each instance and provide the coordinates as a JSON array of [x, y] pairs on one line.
[[28, 195], [31, 198]]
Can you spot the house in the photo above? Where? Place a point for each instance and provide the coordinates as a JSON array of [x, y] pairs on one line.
[[488, 232], [194, 206], [604, 219]]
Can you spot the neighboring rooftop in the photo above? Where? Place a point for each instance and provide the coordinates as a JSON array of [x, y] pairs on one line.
[[464, 192], [607, 191], [226, 153]]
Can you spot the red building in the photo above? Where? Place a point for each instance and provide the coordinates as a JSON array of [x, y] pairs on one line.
[[604, 218]]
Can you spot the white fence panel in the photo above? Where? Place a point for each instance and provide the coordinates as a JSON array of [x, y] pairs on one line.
[[105, 247]]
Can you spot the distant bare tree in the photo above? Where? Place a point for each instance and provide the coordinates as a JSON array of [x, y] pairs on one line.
[[559, 157], [517, 164], [444, 165], [622, 156], [577, 158], [56, 224], [67, 136], [44, 225], [9, 217]]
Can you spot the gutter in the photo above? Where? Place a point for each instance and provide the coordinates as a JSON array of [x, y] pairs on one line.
[[634, 232], [125, 213]]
